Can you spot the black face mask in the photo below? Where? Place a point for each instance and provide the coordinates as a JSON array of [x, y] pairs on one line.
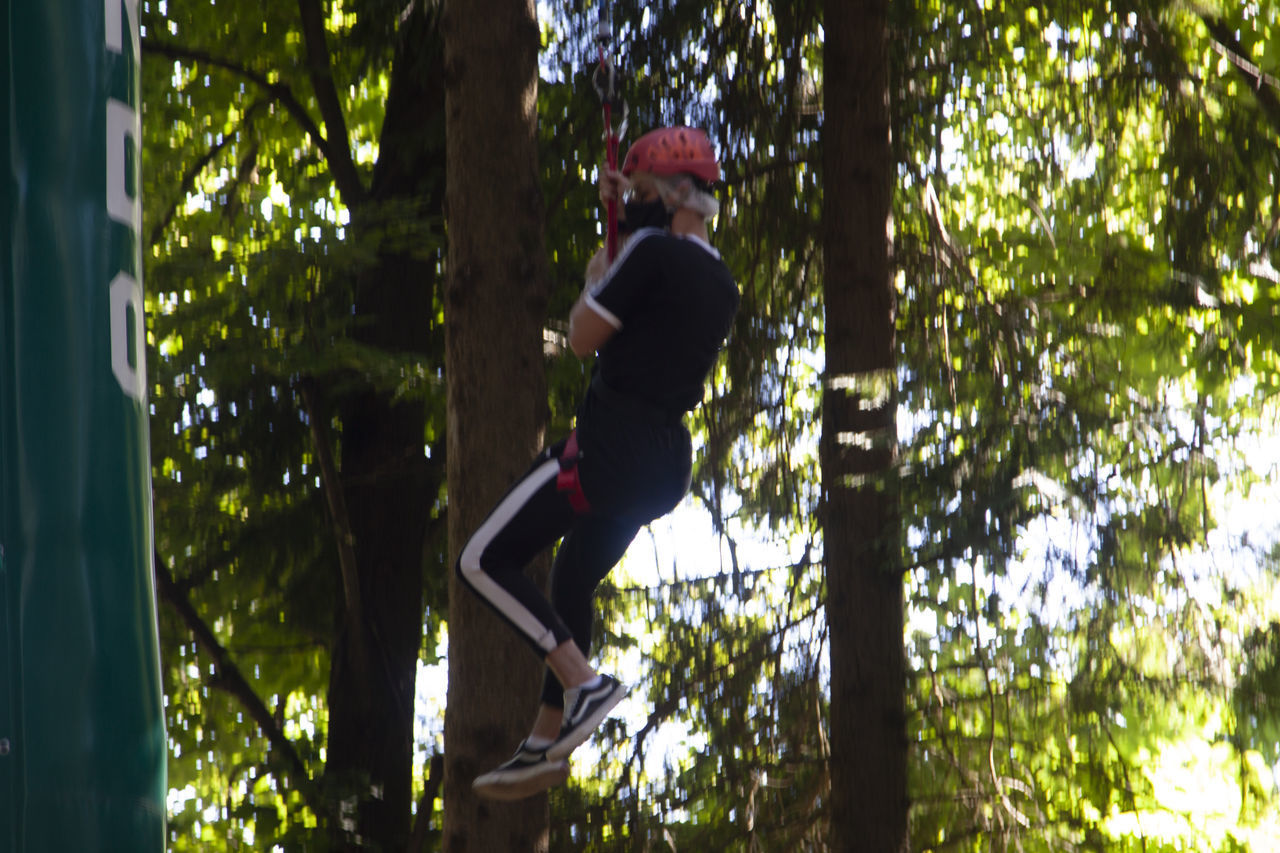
[[645, 214]]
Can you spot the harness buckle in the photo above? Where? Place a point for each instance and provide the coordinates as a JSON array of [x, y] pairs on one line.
[[605, 81], [567, 481]]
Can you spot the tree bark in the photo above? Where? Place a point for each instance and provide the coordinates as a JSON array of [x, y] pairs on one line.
[[858, 446], [388, 485], [495, 305]]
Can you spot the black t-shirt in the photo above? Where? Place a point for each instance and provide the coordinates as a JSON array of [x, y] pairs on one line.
[[672, 300]]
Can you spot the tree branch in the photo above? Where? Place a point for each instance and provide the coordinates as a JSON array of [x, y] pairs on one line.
[[760, 648], [738, 177], [1264, 85], [193, 171], [337, 507], [282, 94], [320, 68], [227, 677], [435, 777]]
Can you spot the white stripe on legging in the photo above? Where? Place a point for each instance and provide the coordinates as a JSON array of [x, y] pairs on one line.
[[480, 580]]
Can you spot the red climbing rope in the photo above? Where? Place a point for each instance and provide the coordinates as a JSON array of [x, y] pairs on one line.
[[606, 83]]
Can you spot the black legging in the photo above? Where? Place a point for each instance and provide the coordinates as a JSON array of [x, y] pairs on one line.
[[647, 469]]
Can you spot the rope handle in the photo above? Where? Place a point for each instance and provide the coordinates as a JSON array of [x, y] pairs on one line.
[[606, 85]]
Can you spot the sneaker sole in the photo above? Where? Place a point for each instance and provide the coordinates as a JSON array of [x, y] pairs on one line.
[[561, 748], [556, 774]]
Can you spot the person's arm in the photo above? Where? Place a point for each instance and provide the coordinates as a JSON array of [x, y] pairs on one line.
[[588, 328]]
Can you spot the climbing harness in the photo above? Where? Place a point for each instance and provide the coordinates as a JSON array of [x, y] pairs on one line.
[[606, 85], [567, 480]]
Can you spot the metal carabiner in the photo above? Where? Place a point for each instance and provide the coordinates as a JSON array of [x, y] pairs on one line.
[[605, 81], [626, 114], [606, 90]]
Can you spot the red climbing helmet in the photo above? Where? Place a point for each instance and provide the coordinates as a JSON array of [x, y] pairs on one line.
[[673, 151]]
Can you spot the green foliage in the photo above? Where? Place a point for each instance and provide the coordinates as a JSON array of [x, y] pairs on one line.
[[1084, 236], [251, 265], [1075, 374], [740, 671]]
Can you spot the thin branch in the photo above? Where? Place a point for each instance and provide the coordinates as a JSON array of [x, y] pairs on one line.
[[188, 181], [697, 583], [246, 172], [337, 505], [193, 171], [753, 171], [1264, 85], [421, 825], [204, 571], [228, 678], [320, 68], [757, 650], [280, 92]]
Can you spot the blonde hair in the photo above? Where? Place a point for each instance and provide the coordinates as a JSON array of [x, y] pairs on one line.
[[682, 190]]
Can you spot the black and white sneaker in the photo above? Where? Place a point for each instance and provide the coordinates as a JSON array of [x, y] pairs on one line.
[[585, 708], [528, 772]]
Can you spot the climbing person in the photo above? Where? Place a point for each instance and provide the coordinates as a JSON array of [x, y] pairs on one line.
[[656, 317]]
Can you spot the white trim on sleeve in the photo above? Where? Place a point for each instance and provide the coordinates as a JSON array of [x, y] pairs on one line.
[[607, 315], [589, 296], [627, 247]]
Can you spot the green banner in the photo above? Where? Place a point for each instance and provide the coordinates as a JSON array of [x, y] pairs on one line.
[[82, 740]]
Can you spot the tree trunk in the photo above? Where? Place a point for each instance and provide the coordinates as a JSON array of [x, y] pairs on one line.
[[495, 304], [858, 446], [388, 485]]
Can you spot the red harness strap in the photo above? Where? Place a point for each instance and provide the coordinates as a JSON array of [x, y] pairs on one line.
[[567, 480]]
